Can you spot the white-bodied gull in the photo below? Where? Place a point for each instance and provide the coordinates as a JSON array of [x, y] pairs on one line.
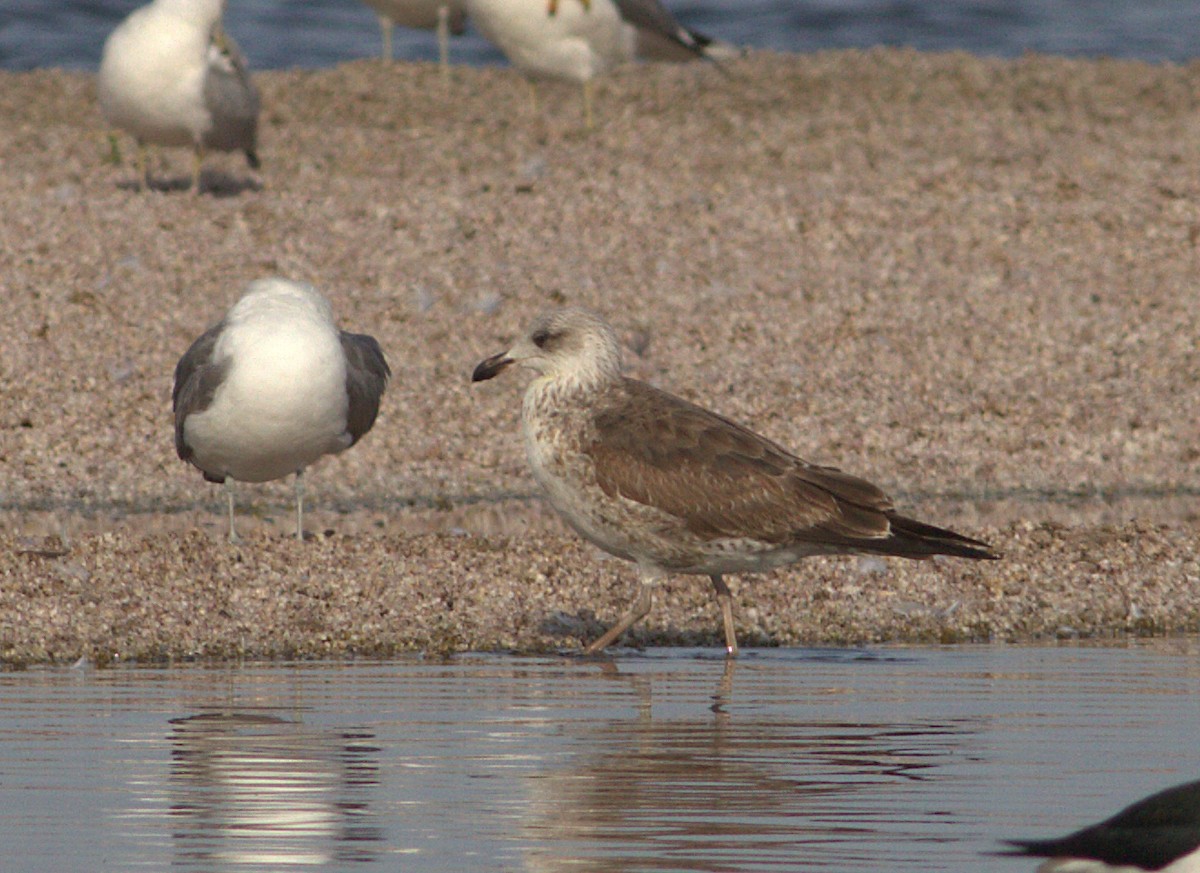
[[1158, 833], [171, 76], [273, 387], [576, 40], [656, 480]]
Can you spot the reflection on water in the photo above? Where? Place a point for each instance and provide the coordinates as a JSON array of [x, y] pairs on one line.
[[897, 759], [250, 790], [710, 793], [699, 799]]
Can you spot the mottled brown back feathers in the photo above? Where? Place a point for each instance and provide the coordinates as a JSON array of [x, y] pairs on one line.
[[725, 481]]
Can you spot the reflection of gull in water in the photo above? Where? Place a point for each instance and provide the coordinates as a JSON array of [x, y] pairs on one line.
[[170, 76], [256, 789], [445, 16], [1160, 832], [579, 41], [714, 788]]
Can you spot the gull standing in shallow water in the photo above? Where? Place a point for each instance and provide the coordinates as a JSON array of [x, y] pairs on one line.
[[1160, 832], [577, 40], [656, 480], [273, 387], [445, 16], [170, 76]]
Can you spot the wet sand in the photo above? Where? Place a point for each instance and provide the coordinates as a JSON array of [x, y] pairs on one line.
[[972, 281]]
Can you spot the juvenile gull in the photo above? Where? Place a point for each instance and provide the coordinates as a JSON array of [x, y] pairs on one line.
[[577, 41], [444, 16], [273, 387], [675, 488], [1160, 832], [170, 76]]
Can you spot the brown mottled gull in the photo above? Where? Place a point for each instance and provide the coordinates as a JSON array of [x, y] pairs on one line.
[[675, 488]]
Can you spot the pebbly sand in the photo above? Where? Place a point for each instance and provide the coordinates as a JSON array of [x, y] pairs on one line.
[[972, 281]]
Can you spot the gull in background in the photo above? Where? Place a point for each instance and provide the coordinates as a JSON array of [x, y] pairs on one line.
[[577, 41], [654, 479], [273, 387], [444, 16], [170, 76]]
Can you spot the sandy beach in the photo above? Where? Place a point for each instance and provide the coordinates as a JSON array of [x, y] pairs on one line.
[[971, 281]]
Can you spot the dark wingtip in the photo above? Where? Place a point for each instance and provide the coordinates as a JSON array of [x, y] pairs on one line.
[[980, 550], [965, 547], [490, 367], [928, 540], [713, 51], [1016, 848]]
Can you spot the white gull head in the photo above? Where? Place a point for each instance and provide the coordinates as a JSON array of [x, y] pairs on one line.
[[571, 347]]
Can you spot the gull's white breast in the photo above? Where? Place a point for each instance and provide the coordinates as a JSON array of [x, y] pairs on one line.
[[575, 44], [151, 79], [283, 402]]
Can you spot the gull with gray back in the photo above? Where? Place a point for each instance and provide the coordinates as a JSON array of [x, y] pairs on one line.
[[675, 488], [273, 387], [170, 76], [578, 40]]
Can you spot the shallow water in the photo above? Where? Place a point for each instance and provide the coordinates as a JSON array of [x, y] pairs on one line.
[[797, 759], [320, 33]]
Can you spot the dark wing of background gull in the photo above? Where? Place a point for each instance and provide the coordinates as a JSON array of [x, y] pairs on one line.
[[232, 99], [367, 375], [197, 378], [652, 16], [723, 480]]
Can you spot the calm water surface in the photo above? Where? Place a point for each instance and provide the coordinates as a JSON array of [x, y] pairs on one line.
[[318, 33], [790, 759]]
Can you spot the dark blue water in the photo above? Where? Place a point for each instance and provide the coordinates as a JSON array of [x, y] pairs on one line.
[[320, 33]]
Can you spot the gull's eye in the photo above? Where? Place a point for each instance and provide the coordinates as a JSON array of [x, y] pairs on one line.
[[542, 338]]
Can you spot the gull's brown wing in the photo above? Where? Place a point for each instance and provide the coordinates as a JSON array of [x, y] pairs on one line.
[[723, 480]]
